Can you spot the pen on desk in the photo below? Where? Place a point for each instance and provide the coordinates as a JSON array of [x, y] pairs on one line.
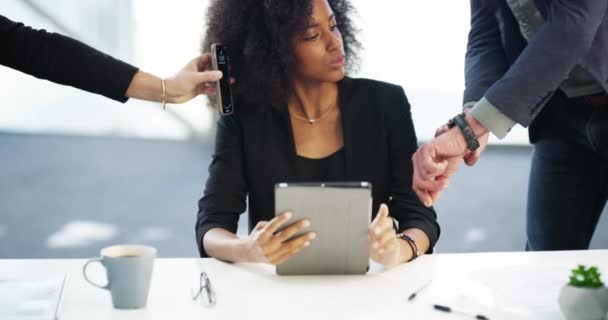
[[415, 293], [450, 310]]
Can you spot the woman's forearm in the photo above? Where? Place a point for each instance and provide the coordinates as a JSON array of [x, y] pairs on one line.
[[225, 245], [422, 242], [145, 86], [186, 84]]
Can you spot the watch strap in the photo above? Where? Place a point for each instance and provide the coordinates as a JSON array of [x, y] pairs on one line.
[[467, 131]]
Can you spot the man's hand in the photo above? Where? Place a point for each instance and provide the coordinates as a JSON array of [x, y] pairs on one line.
[[470, 158], [437, 161]]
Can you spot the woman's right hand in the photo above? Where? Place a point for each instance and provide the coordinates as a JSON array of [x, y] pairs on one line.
[[265, 244]]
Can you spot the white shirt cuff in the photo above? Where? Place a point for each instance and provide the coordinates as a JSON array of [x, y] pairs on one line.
[[492, 118]]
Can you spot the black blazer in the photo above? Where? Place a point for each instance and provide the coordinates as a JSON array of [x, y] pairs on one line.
[[63, 60], [254, 150]]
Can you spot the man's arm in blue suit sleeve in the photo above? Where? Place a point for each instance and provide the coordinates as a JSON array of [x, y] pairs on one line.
[[485, 61], [559, 45]]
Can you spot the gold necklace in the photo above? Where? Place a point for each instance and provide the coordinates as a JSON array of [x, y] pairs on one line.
[[313, 121]]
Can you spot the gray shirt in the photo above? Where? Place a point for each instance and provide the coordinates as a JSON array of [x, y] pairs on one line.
[[579, 82]]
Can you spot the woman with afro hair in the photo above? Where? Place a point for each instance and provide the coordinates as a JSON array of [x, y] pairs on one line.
[[299, 118]]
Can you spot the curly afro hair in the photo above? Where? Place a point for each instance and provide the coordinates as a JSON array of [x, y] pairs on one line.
[[259, 35]]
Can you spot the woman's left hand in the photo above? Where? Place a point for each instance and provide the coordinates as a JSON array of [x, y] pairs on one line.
[[193, 79], [384, 246]]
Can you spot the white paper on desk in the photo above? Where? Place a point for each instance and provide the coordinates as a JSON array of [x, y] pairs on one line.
[[512, 292], [529, 291], [31, 299]]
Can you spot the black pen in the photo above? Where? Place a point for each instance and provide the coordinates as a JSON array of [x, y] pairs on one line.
[[415, 293], [448, 309]]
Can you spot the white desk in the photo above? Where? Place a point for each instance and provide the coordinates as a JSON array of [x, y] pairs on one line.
[[500, 285]]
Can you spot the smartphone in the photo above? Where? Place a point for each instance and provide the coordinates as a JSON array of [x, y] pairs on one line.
[[221, 61]]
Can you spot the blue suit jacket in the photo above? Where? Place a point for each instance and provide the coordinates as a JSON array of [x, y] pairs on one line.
[[519, 77]]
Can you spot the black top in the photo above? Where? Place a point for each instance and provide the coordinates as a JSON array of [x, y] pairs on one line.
[[330, 168], [255, 149], [63, 60]]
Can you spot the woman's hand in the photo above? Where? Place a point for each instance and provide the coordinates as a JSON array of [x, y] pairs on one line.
[[384, 246], [265, 244], [194, 79]]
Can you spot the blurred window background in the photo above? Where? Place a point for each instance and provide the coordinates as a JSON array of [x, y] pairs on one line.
[[81, 171]]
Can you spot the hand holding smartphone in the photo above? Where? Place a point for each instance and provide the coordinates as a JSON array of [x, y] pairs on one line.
[[221, 61]]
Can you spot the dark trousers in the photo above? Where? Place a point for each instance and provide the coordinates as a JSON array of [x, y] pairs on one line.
[[568, 185]]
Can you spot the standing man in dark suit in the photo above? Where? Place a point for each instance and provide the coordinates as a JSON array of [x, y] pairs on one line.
[[543, 64]]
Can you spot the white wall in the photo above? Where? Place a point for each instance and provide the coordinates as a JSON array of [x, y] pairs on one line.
[[421, 46], [417, 44]]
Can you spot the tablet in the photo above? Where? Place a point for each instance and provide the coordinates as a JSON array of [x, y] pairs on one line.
[[340, 214]]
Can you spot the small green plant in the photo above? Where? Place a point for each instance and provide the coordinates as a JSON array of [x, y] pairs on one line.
[[585, 277]]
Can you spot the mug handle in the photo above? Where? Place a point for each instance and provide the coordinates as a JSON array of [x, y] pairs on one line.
[[84, 273]]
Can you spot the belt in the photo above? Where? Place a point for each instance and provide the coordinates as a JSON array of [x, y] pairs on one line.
[[595, 100]]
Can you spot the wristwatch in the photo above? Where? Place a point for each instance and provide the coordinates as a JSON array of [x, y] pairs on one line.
[[467, 132]]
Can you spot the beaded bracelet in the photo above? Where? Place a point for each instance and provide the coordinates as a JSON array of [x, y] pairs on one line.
[[411, 243]]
